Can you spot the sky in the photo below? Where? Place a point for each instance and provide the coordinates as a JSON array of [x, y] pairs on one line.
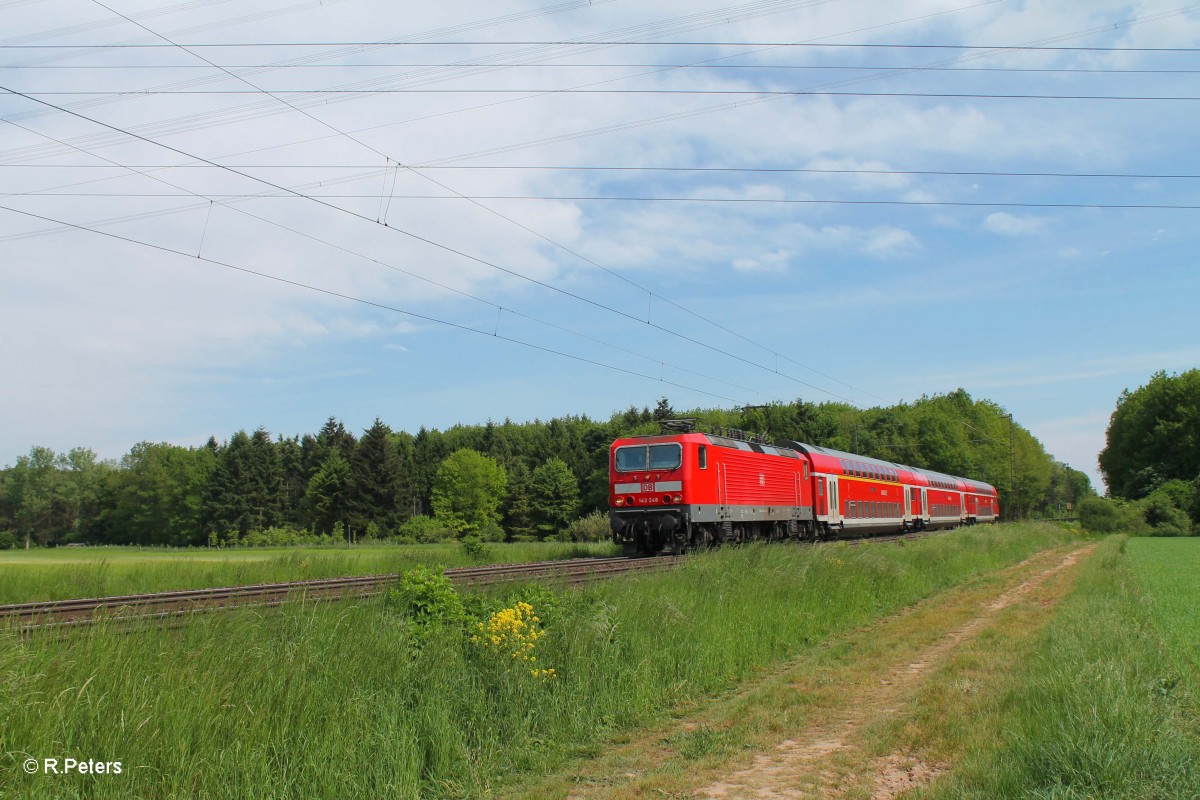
[[267, 213]]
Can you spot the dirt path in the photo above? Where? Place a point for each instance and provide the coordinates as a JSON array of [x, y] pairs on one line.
[[810, 728], [806, 766]]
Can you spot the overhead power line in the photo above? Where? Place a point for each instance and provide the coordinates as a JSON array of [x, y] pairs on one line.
[[446, 287], [371, 303], [625, 199], [713, 92], [753, 9], [538, 65], [626, 65], [1143, 19], [449, 249], [586, 168], [615, 43]]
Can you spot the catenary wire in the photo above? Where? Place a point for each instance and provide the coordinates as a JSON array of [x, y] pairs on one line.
[[627, 65], [585, 168], [637, 43], [1131, 22], [499, 308], [499, 214], [1159, 16], [704, 92], [452, 250], [626, 199], [363, 301]]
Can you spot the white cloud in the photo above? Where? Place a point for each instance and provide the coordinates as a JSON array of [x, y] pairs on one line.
[[888, 242], [764, 262], [1007, 224]]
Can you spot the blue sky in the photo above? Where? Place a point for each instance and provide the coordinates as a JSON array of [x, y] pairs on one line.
[[824, 229]]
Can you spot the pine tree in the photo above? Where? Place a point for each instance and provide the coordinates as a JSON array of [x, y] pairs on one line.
[[328, 495], [375, 480]]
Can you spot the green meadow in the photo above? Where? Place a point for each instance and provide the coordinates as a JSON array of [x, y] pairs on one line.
[[1107, 704], [436, 694], [68, 572]]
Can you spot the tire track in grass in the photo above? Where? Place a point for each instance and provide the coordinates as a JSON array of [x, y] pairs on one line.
[[811, 764], [813, 703]]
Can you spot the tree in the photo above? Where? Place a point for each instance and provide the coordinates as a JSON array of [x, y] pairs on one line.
[[246, 490], [34, 493], [467, 492], [375, 479], [328, 495], [1153, 435], [157, 495], [554, 498]]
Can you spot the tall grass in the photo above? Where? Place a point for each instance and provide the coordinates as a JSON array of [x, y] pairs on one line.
[[352, 700], [102, 571], [1098, 711], [1168, 569]]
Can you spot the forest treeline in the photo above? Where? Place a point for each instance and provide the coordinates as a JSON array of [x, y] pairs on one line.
[[536, 476]]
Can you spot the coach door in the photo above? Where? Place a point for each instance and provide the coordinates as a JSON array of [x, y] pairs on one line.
[[822, 507], [908, 509], [925, 503], [835, 510]]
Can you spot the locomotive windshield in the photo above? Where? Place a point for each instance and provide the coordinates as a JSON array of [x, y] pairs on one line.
[[649, 456]]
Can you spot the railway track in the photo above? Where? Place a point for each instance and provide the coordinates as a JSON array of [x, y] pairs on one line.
[[66, 614], [61, 614]]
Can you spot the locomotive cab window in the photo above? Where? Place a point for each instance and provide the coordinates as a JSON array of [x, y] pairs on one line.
[[702, 456], [633, 458]]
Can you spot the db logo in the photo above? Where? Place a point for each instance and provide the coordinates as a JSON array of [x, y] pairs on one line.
[[647, 487]]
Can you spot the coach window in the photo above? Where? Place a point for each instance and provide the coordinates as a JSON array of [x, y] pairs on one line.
[[703, 457]]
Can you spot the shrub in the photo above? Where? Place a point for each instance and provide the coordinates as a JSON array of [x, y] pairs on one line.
[[1164, 517], [592, 528], [8, 540], [426, 599], [1099, 515], [474, 548], [425, 529]]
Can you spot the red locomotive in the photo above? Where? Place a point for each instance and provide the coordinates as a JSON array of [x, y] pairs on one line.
[[671, 492]]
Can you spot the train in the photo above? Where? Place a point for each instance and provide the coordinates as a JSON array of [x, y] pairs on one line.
[[672, 492]]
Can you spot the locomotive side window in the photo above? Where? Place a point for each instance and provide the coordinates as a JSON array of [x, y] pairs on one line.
[[703, 456]]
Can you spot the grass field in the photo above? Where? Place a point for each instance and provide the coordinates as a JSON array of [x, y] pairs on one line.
[[1168, 570], [60, 573], [351, 700], [1098, 709]]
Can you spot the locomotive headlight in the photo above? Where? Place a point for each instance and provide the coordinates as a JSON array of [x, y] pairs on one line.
[[620, 501], [678, 498], [667, 499]]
